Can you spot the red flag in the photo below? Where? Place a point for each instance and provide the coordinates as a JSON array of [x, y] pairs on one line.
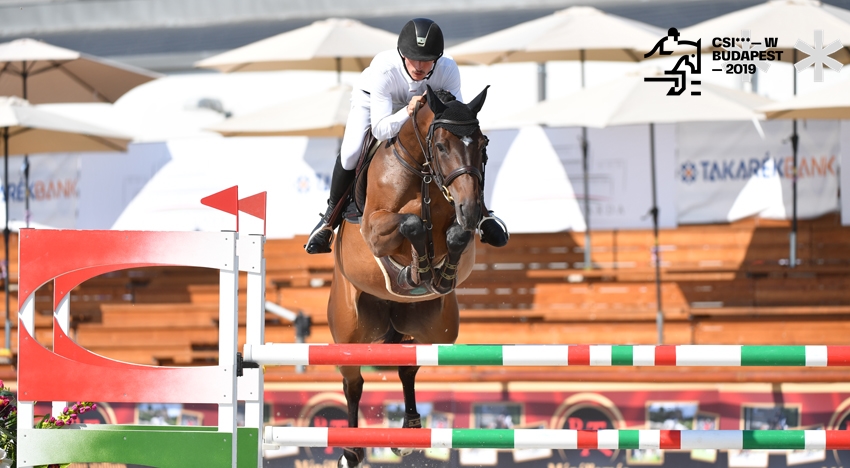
[[255, 205], [227, 200]]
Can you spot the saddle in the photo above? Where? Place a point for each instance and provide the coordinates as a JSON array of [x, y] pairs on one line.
[[356, 201]]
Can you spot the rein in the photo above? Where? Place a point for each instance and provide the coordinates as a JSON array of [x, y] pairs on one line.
[[431, 171]]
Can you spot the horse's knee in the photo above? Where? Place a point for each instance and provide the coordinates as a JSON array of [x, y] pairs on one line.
[[457, 238], [412, 228]]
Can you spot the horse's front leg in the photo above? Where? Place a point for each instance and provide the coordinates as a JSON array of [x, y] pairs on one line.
[[352, 386], [456, 241], [407, 375], [384, 232]]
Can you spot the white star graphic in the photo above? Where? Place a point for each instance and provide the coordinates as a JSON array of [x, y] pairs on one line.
[[745, 45], [818, 55]]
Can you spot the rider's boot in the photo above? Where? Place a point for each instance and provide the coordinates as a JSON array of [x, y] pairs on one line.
[[322, 236], [493, 230]]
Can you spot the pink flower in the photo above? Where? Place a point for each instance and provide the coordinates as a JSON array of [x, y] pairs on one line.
[[60, 423]]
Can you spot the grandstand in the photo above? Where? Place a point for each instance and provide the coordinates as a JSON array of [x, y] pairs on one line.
[[721, 284]]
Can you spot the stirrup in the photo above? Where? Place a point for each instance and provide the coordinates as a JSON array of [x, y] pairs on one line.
[[498, 221]]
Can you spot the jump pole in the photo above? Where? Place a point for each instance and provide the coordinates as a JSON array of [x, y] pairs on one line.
[[546, 355], [559, 438]]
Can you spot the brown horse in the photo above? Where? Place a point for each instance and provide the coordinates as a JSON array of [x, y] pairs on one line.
[[394, 278]]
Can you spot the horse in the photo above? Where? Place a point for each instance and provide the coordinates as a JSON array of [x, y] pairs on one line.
[[394, 277]]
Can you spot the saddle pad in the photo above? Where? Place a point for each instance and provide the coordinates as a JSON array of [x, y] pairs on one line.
[[354, 209]]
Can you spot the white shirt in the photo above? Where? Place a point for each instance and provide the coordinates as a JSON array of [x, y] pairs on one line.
[[390, 90]]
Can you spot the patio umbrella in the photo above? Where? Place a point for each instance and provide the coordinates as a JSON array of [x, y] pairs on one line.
[[631, 100], [333, 44], [42, 73], [832, 102], [577, 33], [320, 115], [27, 129], [789, 21]]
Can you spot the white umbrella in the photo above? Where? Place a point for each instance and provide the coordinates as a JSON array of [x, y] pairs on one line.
[[320, 115], [631, 100], [42, 73], [331, 44], [27, 129], [790, 22], [576, 33], [832, 102]]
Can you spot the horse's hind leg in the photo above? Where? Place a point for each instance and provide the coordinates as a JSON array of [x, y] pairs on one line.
[[407, 375], [456, 241], [352, 385]]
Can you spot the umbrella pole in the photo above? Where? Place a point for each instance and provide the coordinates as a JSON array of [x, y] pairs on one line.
[[26, 159], [8, 326], [26, 171], [659, 315], [339, 70], [588, 262], [541, 81], [792, 255]]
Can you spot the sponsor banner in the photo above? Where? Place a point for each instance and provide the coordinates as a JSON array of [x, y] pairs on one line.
[[619, 177], [110, 181], [53, 188], [294, 171], [726, 171]]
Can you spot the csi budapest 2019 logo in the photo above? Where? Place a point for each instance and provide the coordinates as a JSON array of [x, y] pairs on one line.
[[742, 56]]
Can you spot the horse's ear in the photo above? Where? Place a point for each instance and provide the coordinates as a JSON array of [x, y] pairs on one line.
[[476, 104], [434, 101]]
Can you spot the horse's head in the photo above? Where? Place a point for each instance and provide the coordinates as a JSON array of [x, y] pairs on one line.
[[456, 147]]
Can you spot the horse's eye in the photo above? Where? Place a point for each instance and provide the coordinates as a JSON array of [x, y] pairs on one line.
[[441, 147]]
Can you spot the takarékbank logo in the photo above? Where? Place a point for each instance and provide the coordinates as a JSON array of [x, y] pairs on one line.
[[766, 167]]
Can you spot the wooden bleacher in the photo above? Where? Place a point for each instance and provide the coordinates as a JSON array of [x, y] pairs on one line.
[[721, 284]]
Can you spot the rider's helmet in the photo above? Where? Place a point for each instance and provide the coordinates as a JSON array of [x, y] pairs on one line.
[[421, 39]]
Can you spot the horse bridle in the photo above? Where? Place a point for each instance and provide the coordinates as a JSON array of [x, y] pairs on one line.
[[431, 171]]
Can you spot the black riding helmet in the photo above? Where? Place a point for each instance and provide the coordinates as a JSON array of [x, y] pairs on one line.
[[421, 39]]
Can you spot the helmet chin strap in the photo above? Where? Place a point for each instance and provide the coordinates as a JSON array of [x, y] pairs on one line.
[[404, 65]]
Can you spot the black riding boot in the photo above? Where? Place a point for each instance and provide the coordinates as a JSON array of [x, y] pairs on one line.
[[322, 236], [493, 230]]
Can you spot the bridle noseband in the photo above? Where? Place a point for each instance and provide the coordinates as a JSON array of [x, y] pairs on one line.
[[431, 170]]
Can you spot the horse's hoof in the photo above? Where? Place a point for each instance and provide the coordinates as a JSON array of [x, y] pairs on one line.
[[355, 456], [402, 452], [343, 463]]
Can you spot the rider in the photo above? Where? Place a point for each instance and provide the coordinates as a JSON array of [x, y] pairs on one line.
[[386, 94]]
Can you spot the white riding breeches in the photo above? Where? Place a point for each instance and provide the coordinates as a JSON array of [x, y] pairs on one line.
[[358, 123]]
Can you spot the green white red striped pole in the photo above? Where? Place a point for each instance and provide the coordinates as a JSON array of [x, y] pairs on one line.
[[557, 439], [546, 355]]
